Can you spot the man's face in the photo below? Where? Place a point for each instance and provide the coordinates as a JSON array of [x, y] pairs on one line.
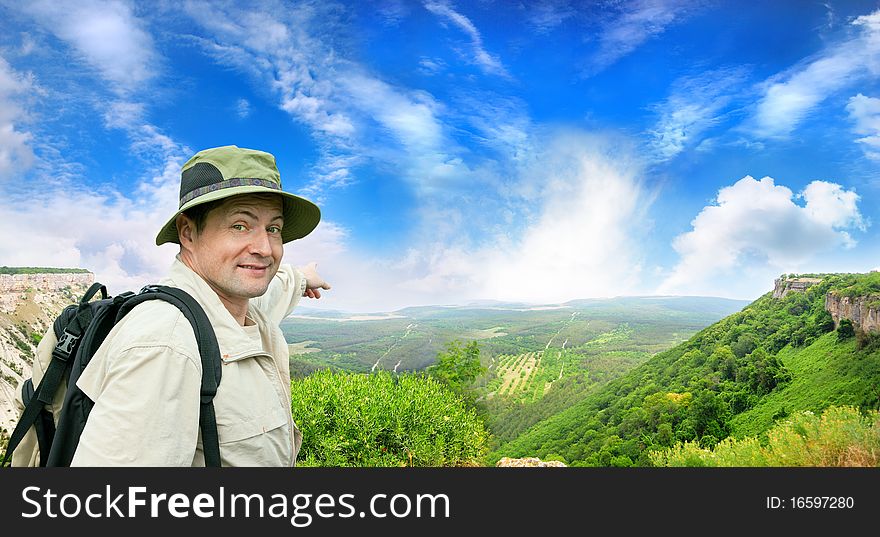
[[239, 250]]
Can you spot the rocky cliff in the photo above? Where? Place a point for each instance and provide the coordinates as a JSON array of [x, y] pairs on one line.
[[863, 311], [783, 286], [29, 303]]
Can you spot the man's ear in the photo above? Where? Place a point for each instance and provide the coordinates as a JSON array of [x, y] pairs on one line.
[[185, 229]]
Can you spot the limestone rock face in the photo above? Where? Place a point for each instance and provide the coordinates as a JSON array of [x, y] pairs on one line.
[[528, 462], [29, 303], [861, 310], [782, 287]]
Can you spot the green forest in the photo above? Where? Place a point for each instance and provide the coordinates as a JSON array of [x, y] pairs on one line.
[[736, 379]]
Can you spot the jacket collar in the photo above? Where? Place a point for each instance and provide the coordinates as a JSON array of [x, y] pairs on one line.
[[232, 339]]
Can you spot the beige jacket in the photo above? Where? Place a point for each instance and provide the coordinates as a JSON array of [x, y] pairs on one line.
[[145, 380]]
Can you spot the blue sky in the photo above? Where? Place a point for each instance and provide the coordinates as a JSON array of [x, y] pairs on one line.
[[530, 151]]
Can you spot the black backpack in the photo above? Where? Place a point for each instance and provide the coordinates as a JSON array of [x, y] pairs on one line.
[[80, 329]]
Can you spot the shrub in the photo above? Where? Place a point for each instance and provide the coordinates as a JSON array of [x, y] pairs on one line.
[[845, 330], [384, 419], [842, 436]]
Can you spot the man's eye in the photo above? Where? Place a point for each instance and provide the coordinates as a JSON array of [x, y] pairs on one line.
[[239, 227], [274, 229]]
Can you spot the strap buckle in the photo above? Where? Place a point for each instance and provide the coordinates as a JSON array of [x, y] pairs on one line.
[[65, 346]]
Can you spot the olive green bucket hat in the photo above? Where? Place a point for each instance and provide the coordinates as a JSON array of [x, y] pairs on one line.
[[221, 172]]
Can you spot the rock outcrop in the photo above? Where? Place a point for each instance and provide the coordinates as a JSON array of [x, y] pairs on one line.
[[863, 311], [29, 303], [783, 286], [528, 462]]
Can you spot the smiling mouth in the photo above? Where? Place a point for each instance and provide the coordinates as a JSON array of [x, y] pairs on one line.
[[254, 267]]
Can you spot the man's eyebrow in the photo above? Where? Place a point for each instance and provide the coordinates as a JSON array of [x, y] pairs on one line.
[[253, 216]]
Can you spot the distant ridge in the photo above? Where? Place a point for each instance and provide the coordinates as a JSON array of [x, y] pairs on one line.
[[669, 301], [41, 270]]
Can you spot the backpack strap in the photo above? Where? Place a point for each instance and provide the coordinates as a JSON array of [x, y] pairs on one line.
[[67, 344], [209, 351], [36, 400]]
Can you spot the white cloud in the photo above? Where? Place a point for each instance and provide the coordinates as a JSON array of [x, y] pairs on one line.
[[576, 217], [865, 113], [583, 240], [97, 229], [790, 97], [694, 106], [431, 66], [64, 222], [572, 232], [16, 154], [546, 15], [124, 114], [756, 226], [638, 22], [829, 204], [577, 229], [392, 11], [487, 62], [354, 115], [105, 34], [410, 117], [243, 108], [109, 37]]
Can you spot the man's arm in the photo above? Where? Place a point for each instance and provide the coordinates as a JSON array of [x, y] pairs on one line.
[[286, 289], [146, 409]]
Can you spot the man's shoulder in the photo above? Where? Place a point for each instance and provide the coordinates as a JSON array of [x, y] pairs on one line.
[[154, 322]]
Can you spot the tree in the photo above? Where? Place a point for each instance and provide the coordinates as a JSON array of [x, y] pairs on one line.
[[845, 330], [459, 365], [824, 322], [744, 345]]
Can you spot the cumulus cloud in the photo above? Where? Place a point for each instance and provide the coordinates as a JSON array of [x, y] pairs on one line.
[[759, 225], [788, 98], [489, 63]]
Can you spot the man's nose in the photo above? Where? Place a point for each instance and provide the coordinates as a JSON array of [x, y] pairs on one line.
[[261, 243]]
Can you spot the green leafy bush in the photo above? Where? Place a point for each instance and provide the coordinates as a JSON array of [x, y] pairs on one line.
[[842, 436], [384, 419], [845, 330], [458, 365]]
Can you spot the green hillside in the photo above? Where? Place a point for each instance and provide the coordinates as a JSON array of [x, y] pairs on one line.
[[736, 378]]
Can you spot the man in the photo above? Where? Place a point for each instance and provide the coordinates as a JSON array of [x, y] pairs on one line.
[[231, 226]]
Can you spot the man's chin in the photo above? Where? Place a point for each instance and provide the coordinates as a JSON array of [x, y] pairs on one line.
[[249, 289]]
